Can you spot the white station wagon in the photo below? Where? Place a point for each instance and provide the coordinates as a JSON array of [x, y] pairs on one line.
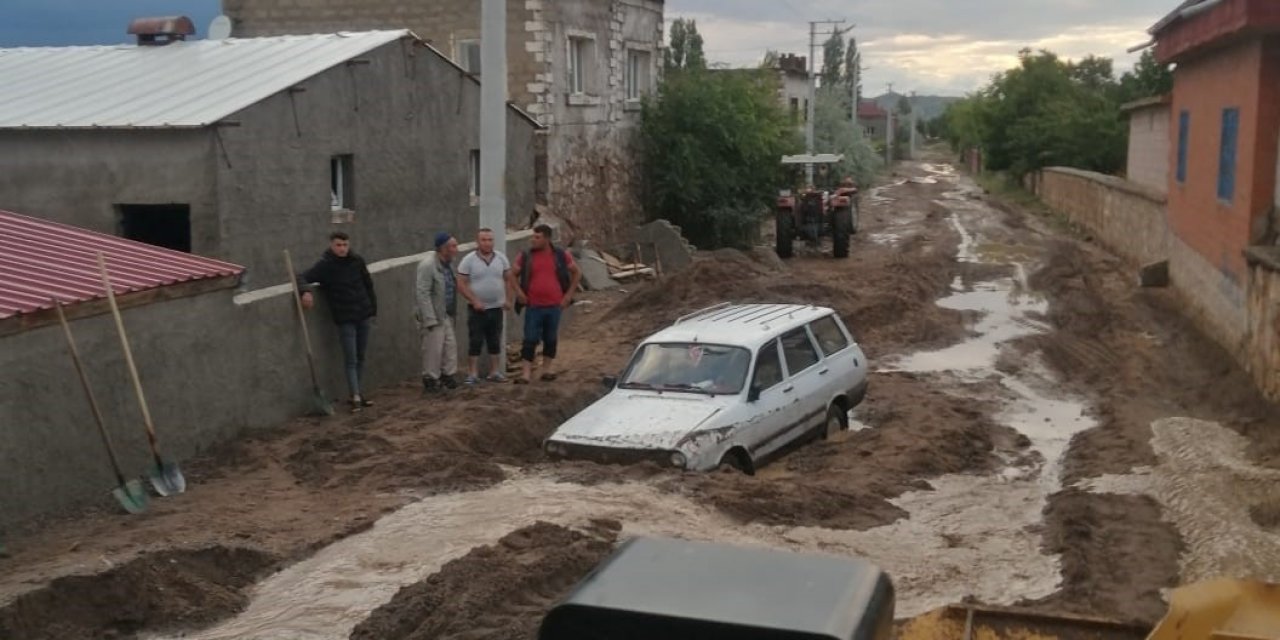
[[730, 385]]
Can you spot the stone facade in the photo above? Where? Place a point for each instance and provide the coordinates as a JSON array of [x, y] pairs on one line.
[[1264, 319], [1148, 163], [1127, 218], [578, 66]]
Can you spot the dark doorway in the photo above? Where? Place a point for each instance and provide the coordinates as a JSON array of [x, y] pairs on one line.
[[163, 225]]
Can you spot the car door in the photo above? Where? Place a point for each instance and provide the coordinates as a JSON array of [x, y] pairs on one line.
[[845, 366], [775, 403], [803, 386]]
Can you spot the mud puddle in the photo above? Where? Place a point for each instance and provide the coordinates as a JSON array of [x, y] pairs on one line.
[[1216, 497]]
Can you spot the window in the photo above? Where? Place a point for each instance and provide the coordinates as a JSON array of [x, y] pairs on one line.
[[830, 337], [341, 183], [581, 62], [468, 56], [768, 367], [475, 175], [798, 349], [637, 74], [688, 367], [795, 110], [162, 225], [1184, 128], [806, 109], [1227, 154]]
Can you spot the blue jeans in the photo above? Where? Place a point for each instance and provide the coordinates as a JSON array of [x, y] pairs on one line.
[[355, 338], [541, 324]]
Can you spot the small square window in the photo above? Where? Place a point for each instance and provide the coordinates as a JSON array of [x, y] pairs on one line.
[[637, 74], [475, 175], [581, 53], [162, 225], [342, 183], [468, 56]]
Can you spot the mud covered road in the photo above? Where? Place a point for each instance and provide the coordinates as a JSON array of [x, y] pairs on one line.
[[1038, 432]]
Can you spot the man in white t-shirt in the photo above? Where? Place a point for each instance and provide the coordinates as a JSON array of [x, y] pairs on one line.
[[485, 280]]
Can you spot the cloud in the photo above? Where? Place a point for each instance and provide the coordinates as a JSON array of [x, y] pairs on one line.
[[930, 46]]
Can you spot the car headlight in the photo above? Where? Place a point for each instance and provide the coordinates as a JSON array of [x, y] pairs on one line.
[[678, 460], [554, 448]]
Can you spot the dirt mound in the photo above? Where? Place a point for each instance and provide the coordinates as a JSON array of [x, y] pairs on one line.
[[1117, 554], [165, 590], [494, 592]]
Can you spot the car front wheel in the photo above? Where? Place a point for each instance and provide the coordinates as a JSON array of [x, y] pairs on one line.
[[837, 421]]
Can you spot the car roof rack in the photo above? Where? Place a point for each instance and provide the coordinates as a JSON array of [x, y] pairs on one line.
[[703, 312]]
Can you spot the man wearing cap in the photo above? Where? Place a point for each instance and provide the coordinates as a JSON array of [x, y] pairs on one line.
[[436, 306]]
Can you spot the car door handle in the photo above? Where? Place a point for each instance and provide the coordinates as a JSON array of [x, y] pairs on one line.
[[824, 372], [788, 389]]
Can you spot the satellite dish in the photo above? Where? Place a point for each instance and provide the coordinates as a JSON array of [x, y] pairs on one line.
[[219, 29]]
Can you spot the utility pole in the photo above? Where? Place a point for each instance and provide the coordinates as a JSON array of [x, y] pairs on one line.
[[493, 125], [813, 91], [912, 102]]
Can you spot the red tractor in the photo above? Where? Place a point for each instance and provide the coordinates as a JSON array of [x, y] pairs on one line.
[[815, 213]]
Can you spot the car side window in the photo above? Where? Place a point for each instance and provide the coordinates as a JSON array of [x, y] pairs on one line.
[[830, 337], [798, 350], [768, 367]]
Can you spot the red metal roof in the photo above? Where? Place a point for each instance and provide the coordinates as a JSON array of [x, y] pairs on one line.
[[869, 109], [42, 260]]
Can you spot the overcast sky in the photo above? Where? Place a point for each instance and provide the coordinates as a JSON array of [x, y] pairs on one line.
[[930, 46]]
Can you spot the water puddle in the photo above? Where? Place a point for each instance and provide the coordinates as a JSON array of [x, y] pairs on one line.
[[1209, 489]]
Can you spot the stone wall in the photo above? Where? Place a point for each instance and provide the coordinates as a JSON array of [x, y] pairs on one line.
[[1128, 218], [1264, 319], [213, 366]]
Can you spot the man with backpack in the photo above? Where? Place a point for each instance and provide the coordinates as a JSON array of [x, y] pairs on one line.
[[548, 278]]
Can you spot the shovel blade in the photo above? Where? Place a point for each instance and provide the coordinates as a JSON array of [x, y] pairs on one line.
[[167, 479], [131, 496], [324, 406]]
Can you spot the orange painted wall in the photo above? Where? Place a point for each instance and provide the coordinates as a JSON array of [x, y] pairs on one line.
[[1246, 76]]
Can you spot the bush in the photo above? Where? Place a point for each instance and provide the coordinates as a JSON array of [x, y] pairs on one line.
[[712, 142]]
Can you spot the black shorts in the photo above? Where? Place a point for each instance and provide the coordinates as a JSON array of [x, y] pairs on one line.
[[484, 328]]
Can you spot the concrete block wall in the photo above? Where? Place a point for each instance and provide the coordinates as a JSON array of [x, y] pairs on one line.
[[1128, 218], [212, 366], [1148, 163], [1264, 324]]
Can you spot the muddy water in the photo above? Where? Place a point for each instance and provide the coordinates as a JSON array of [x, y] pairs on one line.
[[969, 535], [1207, 486]]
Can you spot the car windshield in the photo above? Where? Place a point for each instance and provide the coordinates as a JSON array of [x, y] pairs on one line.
[[697, 368]]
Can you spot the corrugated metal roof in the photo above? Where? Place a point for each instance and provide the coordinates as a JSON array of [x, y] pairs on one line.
[[183, 84], [42, 260]]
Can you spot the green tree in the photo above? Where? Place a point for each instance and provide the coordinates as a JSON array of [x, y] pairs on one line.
[[1148, 78], [835, 132], [852, 77], [711, 145], [832, 60], [685, 50]]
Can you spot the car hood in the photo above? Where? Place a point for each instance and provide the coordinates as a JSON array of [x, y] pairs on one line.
[[642, 419]]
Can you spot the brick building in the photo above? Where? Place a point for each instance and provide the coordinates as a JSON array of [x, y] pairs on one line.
[[1148, 163], [581, 67]]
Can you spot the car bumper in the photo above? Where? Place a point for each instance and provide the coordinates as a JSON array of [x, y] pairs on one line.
[[562, 450]]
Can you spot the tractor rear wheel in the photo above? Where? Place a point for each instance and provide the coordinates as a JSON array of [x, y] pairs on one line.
[[785, 230], [841, 222]]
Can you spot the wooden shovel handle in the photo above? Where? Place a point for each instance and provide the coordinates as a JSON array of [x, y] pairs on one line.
[[88, 392], [128, 358]]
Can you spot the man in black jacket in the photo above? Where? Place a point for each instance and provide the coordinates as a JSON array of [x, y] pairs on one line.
[[345, 280]]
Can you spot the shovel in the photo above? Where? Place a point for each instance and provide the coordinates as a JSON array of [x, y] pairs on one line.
[[165, 477], [129, 494], [322, 404]]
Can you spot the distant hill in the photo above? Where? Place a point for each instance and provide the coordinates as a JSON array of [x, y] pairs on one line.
[[929, 107]]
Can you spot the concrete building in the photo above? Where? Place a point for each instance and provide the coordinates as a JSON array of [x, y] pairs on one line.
[[581, 67], [874, 120], [1223, 148], [1148, 163], [793, 86], [240, 148]]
